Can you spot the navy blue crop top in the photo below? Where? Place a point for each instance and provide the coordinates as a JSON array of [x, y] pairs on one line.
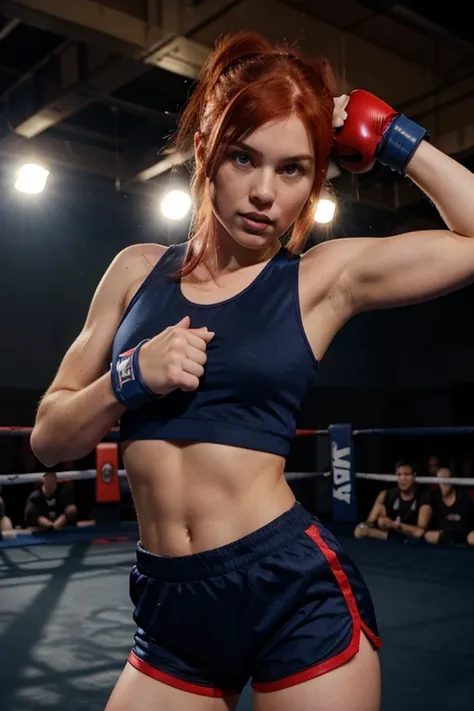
[[259, 365]]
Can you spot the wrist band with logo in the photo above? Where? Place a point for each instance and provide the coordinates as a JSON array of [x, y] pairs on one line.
[[127, 383]]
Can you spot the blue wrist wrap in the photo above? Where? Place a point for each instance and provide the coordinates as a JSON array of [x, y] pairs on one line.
[[399, 142], [127, 382]]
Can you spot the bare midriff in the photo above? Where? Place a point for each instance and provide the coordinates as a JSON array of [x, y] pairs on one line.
[[193, 497]]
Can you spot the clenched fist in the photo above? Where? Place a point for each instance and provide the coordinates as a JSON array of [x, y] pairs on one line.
[[175, 358]]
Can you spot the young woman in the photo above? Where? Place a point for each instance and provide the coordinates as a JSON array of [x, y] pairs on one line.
[[205, 350]]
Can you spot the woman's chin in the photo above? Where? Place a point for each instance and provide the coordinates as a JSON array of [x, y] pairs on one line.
[[254, 240]]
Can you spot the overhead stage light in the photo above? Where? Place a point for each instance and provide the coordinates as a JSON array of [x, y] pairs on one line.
[[176, 204], [31, 179], [325, 210]]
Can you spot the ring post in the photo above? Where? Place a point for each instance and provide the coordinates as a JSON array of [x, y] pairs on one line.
[[343, 474], [107, 487]]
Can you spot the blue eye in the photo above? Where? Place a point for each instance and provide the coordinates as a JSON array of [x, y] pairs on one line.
[[240, 159], [293, 169]]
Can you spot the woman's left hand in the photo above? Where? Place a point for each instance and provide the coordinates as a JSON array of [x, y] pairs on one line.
[[339, 113]]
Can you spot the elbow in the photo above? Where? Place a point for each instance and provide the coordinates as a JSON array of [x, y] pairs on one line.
[[52, 448], [43, 447]]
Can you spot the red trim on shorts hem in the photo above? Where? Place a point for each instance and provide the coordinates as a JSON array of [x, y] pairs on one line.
[[372, 637], [169, 680], [358, 625]]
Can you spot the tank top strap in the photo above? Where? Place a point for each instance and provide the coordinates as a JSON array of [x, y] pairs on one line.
[[172, 259]]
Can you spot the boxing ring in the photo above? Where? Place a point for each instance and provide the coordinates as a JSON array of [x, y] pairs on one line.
[[332, 485], [65, 615]]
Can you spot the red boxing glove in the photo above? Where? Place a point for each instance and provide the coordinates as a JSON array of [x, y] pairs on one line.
[[355, 144]]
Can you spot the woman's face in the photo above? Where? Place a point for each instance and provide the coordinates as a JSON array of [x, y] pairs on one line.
[[262, 184]]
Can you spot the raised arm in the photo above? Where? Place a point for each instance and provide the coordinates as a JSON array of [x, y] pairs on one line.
[[415, 266], [79, 408]]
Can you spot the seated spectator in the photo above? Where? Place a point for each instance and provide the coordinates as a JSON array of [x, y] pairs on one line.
[[52, 506], [5, 522], [401, 512], [453, 514]]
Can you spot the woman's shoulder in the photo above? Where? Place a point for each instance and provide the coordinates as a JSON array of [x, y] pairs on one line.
[[144, 255], [133, 265], [136, 261]]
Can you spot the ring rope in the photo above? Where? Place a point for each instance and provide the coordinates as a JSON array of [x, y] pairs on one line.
[[79, 475], [456, 481], [415, 431]]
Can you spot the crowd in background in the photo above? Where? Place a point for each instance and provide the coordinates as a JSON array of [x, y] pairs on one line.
[[49, 507], [440, 514]]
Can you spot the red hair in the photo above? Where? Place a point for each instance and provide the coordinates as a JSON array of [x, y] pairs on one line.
[[245, 83]]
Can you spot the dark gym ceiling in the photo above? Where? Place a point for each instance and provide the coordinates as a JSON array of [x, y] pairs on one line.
[[96, 86]]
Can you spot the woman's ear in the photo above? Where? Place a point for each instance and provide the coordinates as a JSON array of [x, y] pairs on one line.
[[198, 147]]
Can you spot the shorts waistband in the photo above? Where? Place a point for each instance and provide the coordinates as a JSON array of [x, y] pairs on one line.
[[232, 556]]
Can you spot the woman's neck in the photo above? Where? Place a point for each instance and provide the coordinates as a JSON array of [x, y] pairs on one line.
[[224, 255]]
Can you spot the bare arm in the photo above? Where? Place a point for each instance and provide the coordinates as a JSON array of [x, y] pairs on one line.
[[417, 266], [424, 517], [378, 509], [448, 184], [79, 408], [408, 530], [44, 522], [32, 517]]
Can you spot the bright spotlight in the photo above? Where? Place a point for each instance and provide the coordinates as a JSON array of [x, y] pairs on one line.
[[325, 210], [176, 204], [31, 179]]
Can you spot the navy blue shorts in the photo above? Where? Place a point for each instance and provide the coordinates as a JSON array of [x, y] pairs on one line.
[[280, 606]]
